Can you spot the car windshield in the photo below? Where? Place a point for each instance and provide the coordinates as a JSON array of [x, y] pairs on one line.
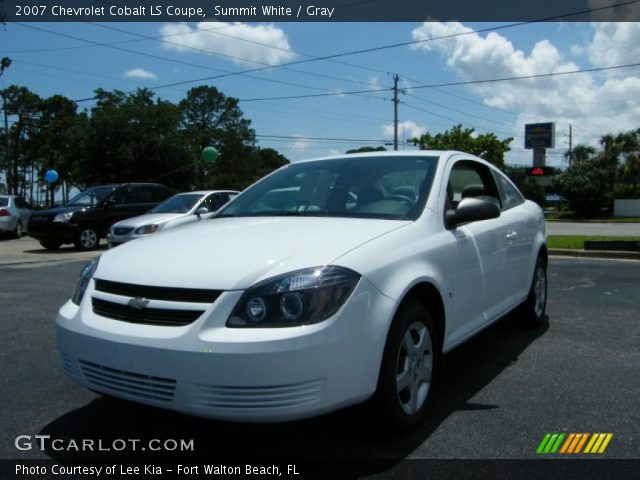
[[91, 197], [4, 201], [385, 187], [177, 204]]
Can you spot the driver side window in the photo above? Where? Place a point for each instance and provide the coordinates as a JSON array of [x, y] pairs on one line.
[[470, 179]]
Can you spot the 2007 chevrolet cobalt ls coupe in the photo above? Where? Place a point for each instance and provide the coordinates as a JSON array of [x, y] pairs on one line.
[[328, 282]]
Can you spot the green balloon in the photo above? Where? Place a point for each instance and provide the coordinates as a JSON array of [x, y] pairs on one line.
[[209, 155]]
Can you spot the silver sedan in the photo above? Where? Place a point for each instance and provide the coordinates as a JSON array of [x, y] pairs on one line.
[[14, 214], [174, 211]]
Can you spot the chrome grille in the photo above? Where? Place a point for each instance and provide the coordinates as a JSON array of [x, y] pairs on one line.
[[122, 230], [111, 380]]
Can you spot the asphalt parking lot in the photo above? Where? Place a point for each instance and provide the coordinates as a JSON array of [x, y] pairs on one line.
[[501, 392]]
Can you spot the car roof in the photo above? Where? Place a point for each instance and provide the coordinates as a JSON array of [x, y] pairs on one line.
[[402, 153], [205, 192]]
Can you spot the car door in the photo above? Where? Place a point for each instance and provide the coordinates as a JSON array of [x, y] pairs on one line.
[[518, 235], [478, 265]]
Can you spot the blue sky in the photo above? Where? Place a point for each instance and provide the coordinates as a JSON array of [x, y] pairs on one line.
[[594, 103]]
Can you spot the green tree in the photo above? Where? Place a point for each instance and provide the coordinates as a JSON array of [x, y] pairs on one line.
[[209, 118], [57, 142], [133, 137], [587, 184], [486, 146], [23, 109], [366, 150], [247, 170]]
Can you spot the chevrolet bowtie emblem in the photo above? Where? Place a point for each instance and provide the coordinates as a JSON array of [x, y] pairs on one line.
[[138, 303]]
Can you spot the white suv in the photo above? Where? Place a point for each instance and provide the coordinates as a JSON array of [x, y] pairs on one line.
[[326, 283]]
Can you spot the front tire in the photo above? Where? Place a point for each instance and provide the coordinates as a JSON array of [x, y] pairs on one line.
[[534, 308], [409, 368], [87, 239]]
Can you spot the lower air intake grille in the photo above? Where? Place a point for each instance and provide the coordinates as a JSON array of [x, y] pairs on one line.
[[276, 396], [111, 380], [148, 316]]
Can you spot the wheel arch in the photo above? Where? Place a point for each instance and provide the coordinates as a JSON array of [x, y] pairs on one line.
[[427, 294]]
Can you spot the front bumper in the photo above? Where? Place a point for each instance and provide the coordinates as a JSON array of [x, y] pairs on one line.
[[209, 370], [8, 224], [53, 231]]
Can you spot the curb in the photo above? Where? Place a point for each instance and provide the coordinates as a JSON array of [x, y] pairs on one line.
[[594, 254]]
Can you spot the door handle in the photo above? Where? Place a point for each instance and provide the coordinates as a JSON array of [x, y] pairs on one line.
[[511, 235]]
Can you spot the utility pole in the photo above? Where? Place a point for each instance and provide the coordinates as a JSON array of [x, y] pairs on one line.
[[570, 145], [4, 64], [395, 111]]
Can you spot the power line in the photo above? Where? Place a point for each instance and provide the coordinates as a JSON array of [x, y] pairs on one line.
[[233, 57], [355, 52], [158, 57], [452, 84]]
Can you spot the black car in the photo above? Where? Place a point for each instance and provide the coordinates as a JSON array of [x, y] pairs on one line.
[[88, 216]]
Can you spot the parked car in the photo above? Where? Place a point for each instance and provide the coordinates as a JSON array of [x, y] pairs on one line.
[[88, 216], [14, 214], [270, 314], [178, 210]]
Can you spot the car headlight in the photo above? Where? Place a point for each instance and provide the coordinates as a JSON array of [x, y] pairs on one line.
[[63, 217], [297, 298], [146, 229], [85, 276]]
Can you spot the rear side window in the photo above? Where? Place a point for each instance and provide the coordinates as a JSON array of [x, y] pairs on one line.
[[214, 201], [20, 203], [510, 195], [160, 193]]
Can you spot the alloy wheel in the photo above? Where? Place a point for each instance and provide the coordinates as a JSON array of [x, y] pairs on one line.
[[414, 368]]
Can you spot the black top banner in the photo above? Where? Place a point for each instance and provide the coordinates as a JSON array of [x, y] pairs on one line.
[[318, 10]]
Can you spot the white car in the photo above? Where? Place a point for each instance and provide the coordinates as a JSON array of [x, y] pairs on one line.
[[174, 211], [281, 310]]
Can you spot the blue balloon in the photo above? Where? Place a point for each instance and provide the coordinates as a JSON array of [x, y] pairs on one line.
[[51, 176]]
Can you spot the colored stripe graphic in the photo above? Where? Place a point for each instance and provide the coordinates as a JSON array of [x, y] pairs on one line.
[[556, 443], [581, 442]]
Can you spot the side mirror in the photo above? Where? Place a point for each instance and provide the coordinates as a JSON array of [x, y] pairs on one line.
[[471, 210], [201, 211], [109, 202]]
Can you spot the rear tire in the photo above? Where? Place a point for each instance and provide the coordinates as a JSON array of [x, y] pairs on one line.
[[18, 230], [51, 245], [533, 310], [87, 238], [410, 367]]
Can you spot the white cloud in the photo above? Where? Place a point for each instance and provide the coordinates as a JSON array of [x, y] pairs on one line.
[[615, 44], [594, 104], [333, 151], [140, 73], [301, 142], [407, 129], [216, 37]]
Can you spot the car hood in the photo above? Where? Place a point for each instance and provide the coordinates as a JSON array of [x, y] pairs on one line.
[[235, 253], [58, 210], [148, 218]]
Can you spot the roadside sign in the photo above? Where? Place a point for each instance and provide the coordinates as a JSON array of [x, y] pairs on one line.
[[540, 135]]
